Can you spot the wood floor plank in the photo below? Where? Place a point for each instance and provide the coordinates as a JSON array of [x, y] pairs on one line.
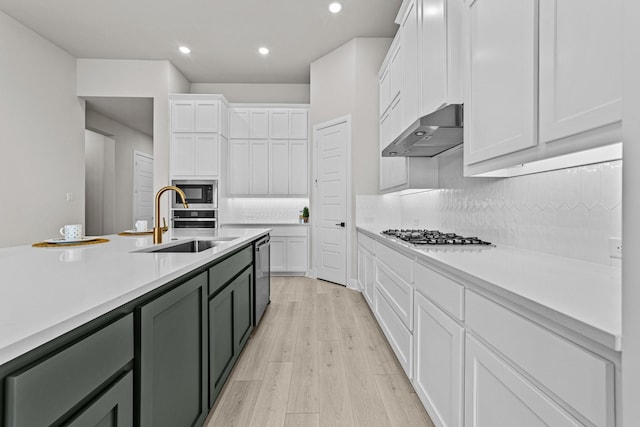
[[271, 403], [302, 420], [303, 392], [342, 310], [366, 402], [335, 406], [327, 325], [284, 339], [236, 404], [401, 403]]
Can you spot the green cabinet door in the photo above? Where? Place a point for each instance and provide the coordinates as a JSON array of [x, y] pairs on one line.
[[230, 325], [172, 360], [113, 408]]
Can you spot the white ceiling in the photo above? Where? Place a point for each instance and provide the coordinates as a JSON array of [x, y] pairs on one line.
[[224, 35], [136, 113]]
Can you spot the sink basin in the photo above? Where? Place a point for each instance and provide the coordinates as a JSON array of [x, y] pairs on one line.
[[191, 246], [222, 239]]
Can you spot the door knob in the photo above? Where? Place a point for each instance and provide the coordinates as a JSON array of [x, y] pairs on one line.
[[341, 224]]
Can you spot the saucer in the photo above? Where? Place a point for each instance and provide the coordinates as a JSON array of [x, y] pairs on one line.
[[63, 241], [134, 231]]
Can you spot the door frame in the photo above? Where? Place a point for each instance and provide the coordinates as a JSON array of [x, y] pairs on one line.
[[350, 282], [137, 153]]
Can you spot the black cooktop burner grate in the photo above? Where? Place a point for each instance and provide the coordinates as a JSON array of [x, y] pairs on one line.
[[432, 237]]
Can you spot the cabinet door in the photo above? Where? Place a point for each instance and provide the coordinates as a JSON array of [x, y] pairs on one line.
[[259, 124], [369, 282], [279, 123], [239, 123], [395, 120], [385, 89], [207, 116], [298, 169], [500, 78], [242, 309], [279, 167], [239, 166], [297, 254], [410, 55], [221, 341], [183, 154], [113, 408], [173, 355], [395, 72], [278, 254], [433, 70], [207, 154], [259, 167], [298, 124], [580, 66], [496, 395], [439, 363], [182, 116]]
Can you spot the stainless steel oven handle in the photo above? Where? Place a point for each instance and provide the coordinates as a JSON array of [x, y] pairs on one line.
[[193, 219]]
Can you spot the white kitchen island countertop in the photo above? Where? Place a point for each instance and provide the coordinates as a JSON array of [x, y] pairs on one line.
[[46, 292], [584, 297]]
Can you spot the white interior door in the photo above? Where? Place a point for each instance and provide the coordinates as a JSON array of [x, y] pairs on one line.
[[142, 187], [332, 202]]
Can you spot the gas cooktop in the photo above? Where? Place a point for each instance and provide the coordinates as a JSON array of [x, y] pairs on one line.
[[433, 237]]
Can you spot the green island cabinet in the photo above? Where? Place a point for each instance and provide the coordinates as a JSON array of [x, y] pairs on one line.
[[160, 360]]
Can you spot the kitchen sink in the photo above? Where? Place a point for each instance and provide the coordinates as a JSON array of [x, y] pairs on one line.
[[191, 246]]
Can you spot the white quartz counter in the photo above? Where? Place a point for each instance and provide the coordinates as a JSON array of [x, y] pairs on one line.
[[263, 224], [584, 297], [46, 292]]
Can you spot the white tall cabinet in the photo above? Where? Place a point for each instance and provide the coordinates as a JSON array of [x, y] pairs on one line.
[[278, 156], [199, 127]]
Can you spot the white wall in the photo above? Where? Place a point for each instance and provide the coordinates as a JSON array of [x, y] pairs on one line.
[[631, 226], [257, 92], [345, 82], [42, 143], [127, 140], [143, 79]]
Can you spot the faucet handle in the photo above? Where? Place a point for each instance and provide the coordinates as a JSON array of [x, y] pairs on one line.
[[164, 224]]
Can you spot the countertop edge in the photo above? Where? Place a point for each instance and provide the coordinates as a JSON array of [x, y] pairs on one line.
[[564, 321]]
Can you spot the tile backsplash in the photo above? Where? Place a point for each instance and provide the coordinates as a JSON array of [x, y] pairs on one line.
[[569, 212], [261, 209]]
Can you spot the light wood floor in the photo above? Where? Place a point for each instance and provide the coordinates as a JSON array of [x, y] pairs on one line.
[[318, 358]]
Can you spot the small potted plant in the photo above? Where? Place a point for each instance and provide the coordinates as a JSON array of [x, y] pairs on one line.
[[305, 214]]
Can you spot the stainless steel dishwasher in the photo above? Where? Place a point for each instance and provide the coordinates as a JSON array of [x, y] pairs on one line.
[[262, 274]]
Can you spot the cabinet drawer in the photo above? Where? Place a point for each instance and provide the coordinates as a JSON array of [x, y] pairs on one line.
[[581, 379], [224, 271], [397, 262], [399, 293], [43, 393], [292, 231], [448, 294], [115, 404], [399, 337], [367, 242]]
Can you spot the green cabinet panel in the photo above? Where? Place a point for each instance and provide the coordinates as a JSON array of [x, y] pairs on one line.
[[172, 361], [221, 273], [230, 326], [113, 408], [221, 340], [41, 394]]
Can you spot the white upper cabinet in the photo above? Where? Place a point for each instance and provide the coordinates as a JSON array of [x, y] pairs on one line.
[[207, 116], [410, 59], [183, 153], [279, 166], [182, 116], [259, 124], [239, 166], [259, 166], [542, 80], [298, 168], [441, 54], [298, 124], [279, 123], [580, 66], [239, 122], [500, 102]]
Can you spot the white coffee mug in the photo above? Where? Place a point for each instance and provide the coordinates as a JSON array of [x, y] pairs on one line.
[[141, 225], [72, 232]]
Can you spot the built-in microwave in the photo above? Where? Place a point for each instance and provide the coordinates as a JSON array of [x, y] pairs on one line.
[[201, 194]]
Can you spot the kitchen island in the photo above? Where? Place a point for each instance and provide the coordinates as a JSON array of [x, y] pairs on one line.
[[79, 326]]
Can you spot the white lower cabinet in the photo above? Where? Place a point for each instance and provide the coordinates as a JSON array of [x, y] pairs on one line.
[[278, 253], [497, 396], [439, 363], [366, 267], [289, 249], [297, 254], [399, 337]]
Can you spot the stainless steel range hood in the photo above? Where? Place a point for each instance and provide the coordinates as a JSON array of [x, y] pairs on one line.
[[430, 135]]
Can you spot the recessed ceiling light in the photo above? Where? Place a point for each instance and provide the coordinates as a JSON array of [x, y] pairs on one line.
[[335, 7], [184, 49], [263, 51]]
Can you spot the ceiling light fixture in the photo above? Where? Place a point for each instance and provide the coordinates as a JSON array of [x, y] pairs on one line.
[[335, 7], [184, 49], [263, 51]]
